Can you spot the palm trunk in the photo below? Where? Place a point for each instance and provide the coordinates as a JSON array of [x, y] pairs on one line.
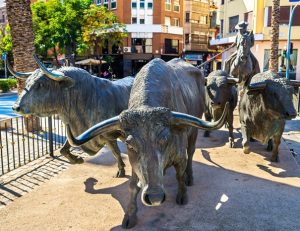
[[275, 36], [20, 20]]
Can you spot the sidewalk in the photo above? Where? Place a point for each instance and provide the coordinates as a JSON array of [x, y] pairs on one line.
[[291, 136], [232, 192]]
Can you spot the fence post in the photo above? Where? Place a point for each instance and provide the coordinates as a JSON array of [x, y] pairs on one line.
[[50, 136]]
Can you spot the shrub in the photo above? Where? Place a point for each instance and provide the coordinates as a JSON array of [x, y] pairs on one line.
[[4, 86], [12, 83], [7, 84]]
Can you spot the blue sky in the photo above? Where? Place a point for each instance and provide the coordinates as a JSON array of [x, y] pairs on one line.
[[1, 3]]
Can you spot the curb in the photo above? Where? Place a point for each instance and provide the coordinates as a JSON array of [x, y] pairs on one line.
[[8, 93]]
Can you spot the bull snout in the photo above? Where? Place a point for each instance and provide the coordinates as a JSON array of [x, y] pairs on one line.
[[153, 197], [16, 108]]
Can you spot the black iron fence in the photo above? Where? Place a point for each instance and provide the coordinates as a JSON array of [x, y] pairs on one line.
[[19, 147]]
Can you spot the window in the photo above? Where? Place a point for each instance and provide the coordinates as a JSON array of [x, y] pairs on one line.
[[284, 16], [222, 2], [176, 6], [141, 45], [105, 3], [233, 21], [203, 20], [150, 5], [142, 4], [113, 4], [168, 5], [176, 22], [221, 27], [187, 16], [134, 20], [248, 17], [133, 5], [167, 21], [142, 21], [187, 38], [98, 2], [171, 46]]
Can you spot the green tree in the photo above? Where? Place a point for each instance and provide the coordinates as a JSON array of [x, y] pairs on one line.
[[5, 41], [57, 24], [101, 26]]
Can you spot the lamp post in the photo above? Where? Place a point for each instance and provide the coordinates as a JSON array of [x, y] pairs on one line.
[[288, 53]]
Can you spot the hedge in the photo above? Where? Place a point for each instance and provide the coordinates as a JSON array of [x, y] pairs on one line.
[[7, 84]]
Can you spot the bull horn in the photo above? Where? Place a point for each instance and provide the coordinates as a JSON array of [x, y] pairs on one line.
[[294, 83], [189, 120], [18, 75], [54, 75], [105, 126], [232, 80], [257, 86]]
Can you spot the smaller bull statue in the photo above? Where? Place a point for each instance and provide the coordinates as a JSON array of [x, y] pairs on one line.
[[219, 90], [264, 107], [80, 100]]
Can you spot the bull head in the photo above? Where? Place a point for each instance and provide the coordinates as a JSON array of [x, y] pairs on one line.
[[113, 124], [54, 75], [18, 75]]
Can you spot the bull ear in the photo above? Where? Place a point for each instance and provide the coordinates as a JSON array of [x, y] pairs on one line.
[[294, 83], [259, 86]]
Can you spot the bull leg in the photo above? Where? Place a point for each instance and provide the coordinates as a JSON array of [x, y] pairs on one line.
[[246, 138], [207, 118], [270, 145], [230, 129], [65, 151], [130, 218], [276, 143], [181, 197], [117, 154], [190, 151]]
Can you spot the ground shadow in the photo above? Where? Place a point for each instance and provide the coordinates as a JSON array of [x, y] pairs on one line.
[[219, 200], [217, 138]]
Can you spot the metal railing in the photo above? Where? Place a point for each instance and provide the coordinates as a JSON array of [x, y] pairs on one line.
[[19, 147]]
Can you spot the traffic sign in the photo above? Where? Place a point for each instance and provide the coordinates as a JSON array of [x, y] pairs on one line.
[[4, 55], [294, 0]]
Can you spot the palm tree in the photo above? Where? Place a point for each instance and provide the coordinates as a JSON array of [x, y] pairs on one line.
[[20, 20], [275, 36]]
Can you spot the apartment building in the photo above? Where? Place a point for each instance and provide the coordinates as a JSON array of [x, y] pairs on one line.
[[199, 29], [258, 15], [155, 29]]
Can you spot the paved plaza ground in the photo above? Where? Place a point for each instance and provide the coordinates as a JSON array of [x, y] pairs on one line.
[[232, 191]]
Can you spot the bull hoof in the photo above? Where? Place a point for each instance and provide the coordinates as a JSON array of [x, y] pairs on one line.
[[120, 173], [246, 150], [181, 199], [129, 221], [231, 144], [252, 140], [72, 158], [206, 134], [275, 159]]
